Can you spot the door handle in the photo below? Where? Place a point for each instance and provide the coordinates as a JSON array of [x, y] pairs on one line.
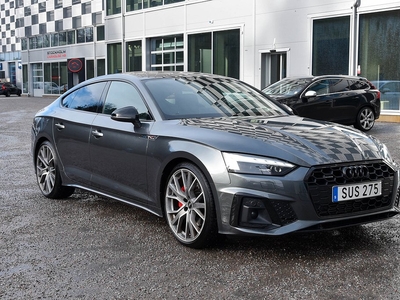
[[97, 133], [60, 126]]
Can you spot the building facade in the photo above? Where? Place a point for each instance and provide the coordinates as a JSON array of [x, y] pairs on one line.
[[50, 45]]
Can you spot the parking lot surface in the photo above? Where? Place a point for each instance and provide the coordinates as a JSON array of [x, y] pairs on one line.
[[90, 247]]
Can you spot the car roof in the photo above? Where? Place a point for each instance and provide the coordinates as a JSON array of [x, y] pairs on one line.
[[318, 77], [140, 75], [148, 75]]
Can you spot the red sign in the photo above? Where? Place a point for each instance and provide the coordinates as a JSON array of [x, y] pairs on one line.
[[75, 65]]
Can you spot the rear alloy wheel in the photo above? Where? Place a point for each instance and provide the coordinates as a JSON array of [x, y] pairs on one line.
[[189, 206], [365, 119], [47, 173]]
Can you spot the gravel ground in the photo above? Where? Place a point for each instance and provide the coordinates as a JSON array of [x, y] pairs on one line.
[[89, 247]]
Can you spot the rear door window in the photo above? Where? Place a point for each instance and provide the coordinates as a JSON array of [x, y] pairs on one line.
[[338, 85]]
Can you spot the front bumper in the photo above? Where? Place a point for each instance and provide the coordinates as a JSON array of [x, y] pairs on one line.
[[302, 201]]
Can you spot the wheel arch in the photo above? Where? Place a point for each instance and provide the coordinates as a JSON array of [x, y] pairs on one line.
[[357, 123], [186, 157], [39, 141]]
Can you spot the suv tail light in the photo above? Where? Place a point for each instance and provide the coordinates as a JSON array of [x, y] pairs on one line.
[[373, 87]]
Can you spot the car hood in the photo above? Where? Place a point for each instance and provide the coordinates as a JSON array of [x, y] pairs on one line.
[[298, 140]]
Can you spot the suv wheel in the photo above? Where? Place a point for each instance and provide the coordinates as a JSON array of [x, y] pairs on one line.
[[365, 119]]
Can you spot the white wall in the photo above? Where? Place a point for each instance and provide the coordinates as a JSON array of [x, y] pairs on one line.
[[287, 22]]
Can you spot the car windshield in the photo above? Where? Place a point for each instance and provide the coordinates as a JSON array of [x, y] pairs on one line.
[[287, 86], [199, 97]]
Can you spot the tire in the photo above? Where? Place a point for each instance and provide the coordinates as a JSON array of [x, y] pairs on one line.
[[189, 207], [365, 119], [48, 173], [8, 94]]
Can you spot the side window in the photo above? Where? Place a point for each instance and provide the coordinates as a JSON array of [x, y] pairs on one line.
[[338, 85], [359, 85], [122, 94], [320, 87], [87, 98]]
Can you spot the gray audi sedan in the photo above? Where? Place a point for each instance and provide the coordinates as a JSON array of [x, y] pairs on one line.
[[212, 155]]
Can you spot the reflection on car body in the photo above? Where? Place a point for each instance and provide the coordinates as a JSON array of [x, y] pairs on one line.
[[210, 154], [343, 99]]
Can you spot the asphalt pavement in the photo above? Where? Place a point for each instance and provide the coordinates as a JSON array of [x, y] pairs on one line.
[[90, 247]]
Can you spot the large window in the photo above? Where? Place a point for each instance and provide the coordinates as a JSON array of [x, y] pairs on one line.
[[226, 53], [167, 53], [89, 68], [330, 48], [378, 57], [101, 67], [55, 78], [217, 52], [134, 56], [113, 7], [140, 4], [100, 33], [114, 58], [199, 52]]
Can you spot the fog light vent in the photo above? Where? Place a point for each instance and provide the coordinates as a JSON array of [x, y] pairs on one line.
[[253, 213]]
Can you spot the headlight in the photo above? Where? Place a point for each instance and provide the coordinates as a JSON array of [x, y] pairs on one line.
[[385, 153], [249, 164]]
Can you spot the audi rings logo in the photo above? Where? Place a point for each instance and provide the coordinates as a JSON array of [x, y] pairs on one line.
[[355, 172]]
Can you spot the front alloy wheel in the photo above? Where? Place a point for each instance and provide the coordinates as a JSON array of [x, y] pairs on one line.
[[47, 174], [189, 206], [365, 119]]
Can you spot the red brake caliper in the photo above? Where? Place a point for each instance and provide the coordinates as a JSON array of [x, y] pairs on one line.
[[180, 203]]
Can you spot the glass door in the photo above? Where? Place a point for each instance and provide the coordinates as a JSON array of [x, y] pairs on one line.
[[37, 76], [273, 67]]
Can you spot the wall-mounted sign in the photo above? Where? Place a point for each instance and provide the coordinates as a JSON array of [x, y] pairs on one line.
[[75, 65], [56, 54]]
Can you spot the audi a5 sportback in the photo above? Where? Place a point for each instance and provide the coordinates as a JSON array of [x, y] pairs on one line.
[[212, 155], [343, 99]]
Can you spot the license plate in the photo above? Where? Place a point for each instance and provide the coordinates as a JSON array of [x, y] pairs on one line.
[[356, 191]]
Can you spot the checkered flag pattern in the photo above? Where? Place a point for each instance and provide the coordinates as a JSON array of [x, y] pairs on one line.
[[25, 18]]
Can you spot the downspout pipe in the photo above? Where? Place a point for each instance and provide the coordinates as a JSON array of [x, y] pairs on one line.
[[356, 5]]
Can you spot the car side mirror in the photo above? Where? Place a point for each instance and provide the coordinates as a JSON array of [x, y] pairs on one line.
[[310, 94], [127, 114]]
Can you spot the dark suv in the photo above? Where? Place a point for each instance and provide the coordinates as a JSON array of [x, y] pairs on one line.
[[7, 88], [342, 99]]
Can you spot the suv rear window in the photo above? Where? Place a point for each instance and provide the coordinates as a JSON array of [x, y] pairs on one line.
[[359, 85]]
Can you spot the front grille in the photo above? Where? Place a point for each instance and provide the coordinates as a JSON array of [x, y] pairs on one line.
[[320, 180]]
